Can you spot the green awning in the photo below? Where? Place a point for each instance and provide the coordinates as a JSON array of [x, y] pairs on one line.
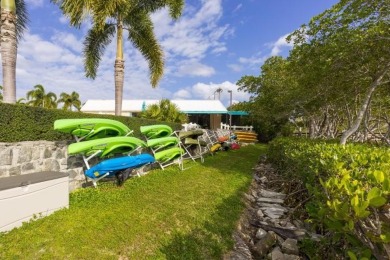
[[204, 112], [238, 113]]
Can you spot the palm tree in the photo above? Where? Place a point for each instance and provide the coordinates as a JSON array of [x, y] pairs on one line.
[[21, 101], [13, 22], [70, 101], [39, 98], [112, 17], [166, 111]]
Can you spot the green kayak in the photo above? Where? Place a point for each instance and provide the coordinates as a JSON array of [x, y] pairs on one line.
[[192, 141], [163, 142], [169, 154], [193, 134], [156, 131], [108, 146], [91, 128]]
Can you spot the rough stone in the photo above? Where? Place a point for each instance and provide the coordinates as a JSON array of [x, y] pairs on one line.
[[6, 156], [36, 153], [25, 154], [272, 194], [15, 171], [47, 153], [261, 233], [290, 246], [241, 250], [270, 200], [259, 213], [15, 155], [26, 167], [263, 246], [291, 257], [271, 205], [273, 213], [51, 165], [249, 197], [277, 254]]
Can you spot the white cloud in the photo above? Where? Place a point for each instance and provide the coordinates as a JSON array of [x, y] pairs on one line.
[[279, 44], [68, 40], [195, 34], [235, 67], [194, 68], [255, 60], [208, 91], [259, 58], [56, 61], [182, 94]]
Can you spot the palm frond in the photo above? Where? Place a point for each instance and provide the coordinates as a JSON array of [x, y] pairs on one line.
[[150, 6], [94, 45], [142, 36], [76, 11], [22, 15]]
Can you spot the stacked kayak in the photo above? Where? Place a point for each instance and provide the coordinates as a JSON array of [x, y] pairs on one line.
[[165, 148], [107, 146], [91, 128], [246, 137], [111, 166], [156, 131], [102, 138]]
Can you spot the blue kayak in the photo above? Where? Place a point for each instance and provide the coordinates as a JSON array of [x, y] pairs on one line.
[[111, 166]]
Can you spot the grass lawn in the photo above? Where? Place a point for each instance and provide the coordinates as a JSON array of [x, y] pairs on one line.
[[168, 214]]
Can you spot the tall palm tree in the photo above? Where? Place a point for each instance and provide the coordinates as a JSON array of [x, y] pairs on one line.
[[70, 101], [110, 18], [13, 22], [39, 98]]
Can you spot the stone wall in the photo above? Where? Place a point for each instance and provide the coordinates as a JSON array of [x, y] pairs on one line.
[[36, 156]]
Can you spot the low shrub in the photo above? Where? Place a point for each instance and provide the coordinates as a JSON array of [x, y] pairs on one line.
[[24, 123], [349, 188]]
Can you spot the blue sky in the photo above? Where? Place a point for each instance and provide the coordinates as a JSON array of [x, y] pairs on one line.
[[211, 46]]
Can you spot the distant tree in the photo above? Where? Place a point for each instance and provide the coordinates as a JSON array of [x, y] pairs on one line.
[[343, 56], [39, 98], [21, 101], [1, 93], [113, 17], [13, 22], [166, 111], [70, 101]]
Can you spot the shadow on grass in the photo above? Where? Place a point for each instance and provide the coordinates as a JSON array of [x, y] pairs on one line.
[[210, 240], [214, 237]]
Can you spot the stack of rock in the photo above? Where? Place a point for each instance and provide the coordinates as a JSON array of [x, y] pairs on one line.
[[266, 229]]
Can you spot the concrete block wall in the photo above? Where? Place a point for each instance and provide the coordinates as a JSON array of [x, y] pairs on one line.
[[36, 156]]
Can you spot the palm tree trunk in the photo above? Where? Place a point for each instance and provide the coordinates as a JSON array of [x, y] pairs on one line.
[[119, 69], [363, 108], [119, 78], [8, 50]]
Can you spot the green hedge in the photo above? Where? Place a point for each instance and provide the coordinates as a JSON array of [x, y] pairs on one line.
[[349, 188], [24, 123]]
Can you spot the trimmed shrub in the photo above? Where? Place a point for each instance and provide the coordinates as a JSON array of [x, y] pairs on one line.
[[19, 122]]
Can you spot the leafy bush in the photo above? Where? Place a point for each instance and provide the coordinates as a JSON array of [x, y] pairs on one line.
[[349, 186], [24, 123]]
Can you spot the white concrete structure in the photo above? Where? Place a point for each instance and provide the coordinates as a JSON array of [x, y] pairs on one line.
[[129, 107], [23, 197], [207, 113]]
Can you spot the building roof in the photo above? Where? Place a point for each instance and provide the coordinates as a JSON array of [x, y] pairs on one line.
[[136, 105]]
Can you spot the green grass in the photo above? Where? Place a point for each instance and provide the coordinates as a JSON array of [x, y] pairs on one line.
[[168, 214]]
